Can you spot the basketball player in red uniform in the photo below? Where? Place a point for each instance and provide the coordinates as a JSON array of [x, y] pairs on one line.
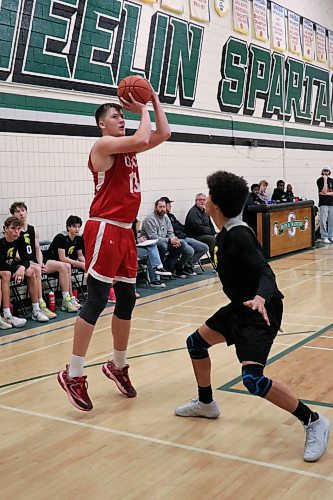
[[111, 256]]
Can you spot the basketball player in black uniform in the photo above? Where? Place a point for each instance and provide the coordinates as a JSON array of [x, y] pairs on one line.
[[30, 236], [250, 321], [69, 248], [11, 247]]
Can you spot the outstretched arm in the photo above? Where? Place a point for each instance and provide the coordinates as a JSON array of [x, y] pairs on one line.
[[162, 132]]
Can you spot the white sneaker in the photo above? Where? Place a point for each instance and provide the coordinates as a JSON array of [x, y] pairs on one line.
[[196, 408], [39, 316], [316, 440], [75, 303], [326, 240], [15, 322], [4, 325]]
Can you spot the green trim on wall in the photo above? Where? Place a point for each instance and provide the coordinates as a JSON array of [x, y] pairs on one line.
[[60, 106]]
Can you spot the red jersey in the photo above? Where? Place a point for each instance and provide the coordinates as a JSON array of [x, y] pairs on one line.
[[117, 191]]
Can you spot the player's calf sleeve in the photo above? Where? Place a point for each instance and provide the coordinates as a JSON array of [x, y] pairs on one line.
[[125, 299], [255, 381], [197, 346], [98, 293]]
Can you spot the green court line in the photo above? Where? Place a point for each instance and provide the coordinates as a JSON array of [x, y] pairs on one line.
[[45, 375], [228, 387]]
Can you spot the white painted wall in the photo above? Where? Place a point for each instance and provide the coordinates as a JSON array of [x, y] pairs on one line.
[[49, 172]]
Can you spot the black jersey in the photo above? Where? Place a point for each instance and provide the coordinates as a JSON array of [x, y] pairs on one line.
[[29, 239], [241, 265], [8, 252], [63, 241]]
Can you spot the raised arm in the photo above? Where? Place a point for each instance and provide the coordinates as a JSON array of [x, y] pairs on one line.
[[162, 131], [108, 145]]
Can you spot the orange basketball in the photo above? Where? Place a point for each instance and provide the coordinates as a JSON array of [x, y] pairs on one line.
[[136, 85]]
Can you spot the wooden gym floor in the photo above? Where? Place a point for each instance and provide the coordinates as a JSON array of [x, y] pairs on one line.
[[137, 448]]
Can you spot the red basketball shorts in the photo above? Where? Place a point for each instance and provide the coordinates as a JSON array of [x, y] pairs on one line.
[[110, 252]]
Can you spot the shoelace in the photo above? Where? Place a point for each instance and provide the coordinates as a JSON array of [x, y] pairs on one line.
[[81, 384], [311, 435]]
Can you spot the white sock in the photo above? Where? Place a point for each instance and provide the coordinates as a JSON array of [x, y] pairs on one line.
[[119, 358], [76, 365], [35, 307], [64, 294], [7, 313]]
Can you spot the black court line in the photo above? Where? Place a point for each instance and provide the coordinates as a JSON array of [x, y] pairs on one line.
[[229, 386], [109, 313], [51, 374]]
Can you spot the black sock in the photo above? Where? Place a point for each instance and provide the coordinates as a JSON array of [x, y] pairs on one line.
[[304, 414], [205, 394]]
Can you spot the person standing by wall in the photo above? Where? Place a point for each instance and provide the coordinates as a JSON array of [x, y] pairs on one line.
[[325, 190]]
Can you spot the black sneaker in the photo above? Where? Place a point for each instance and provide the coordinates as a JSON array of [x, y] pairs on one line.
[[162, 272], [157, 284], [180, 274], [189, 273]]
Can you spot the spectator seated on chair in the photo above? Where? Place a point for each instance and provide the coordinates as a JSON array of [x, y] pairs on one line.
[[199, 248], [157, 226], [10, 247], [30, 238], [198, 224], [148, 251], [69, 249]]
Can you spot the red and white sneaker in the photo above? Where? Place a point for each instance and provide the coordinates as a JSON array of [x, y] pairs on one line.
[[120, 377], [76, 389]]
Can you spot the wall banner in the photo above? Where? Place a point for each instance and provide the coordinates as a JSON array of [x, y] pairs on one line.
[[260, 20], [173, 5], [241, 16], [308, 40], [330, 49], [278, 27], [221, 7], [199, 10], [321, 44], [294, 33]]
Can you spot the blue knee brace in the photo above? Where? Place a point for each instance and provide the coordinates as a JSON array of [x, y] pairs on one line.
[[255, 381], [197, 346]]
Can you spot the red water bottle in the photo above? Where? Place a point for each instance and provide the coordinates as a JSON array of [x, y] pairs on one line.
[[75, 294], [52, 304]]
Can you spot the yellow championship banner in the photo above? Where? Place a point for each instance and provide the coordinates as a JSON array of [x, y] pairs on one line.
[[199, 10], [294, 33], [241, 16], [221, 7], [278, 27], [173, 5], [308, 40], [260, 20], [321, 44]]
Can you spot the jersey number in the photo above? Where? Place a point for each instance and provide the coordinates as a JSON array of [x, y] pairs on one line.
[[29, 249], [134, 183]]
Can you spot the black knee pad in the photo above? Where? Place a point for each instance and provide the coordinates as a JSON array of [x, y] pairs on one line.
[[197, 346], [125, 299], [98, 292], [255, 381]]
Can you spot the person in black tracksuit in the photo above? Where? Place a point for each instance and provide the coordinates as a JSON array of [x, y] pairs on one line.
[[250, 321]]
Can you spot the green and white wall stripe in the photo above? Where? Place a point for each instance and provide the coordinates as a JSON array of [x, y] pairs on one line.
[[232, 101]]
